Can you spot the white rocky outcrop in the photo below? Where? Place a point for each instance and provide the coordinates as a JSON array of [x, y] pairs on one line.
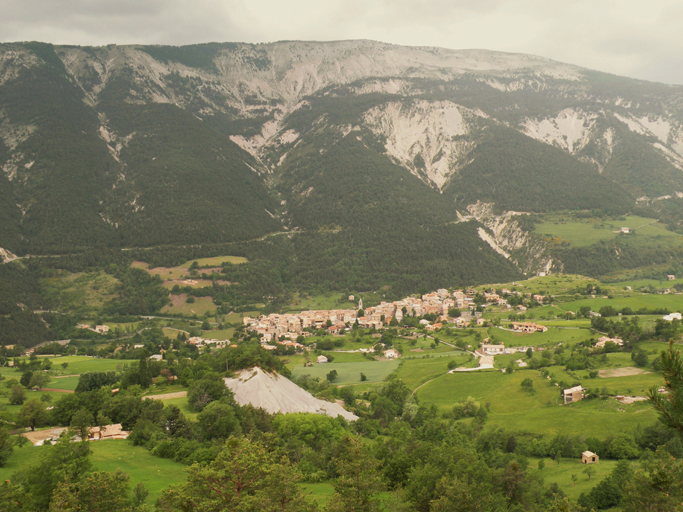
[[422, 136], [274, 393]]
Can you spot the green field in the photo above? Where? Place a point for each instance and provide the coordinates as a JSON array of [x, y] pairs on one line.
[[199, 307], [349, 373], [323, 301], [540, 412], [586, 232], [415, 372], [64, 383], [561, 474], [635, 301], [156, 473], [83, 364], [553, 336]]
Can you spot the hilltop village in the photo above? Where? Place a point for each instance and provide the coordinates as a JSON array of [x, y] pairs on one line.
[[460, 308]]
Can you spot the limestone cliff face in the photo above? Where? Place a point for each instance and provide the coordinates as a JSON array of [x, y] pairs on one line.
[[504, 234]]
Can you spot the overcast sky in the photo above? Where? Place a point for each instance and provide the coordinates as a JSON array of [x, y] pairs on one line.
[[636, 38]]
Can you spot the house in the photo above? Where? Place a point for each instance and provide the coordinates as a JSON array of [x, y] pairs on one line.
[[538, 298], [156, 357], [322, 359], [589, 458], [602, 340], [626, 231], [528, 327], [594, 314], [392, 353], [102, 329], [672, 317], [572, 395], [521, 308], [492, 350], [670, 277], [107, 432]]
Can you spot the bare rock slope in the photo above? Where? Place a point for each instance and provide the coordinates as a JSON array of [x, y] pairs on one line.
[[274, 393]]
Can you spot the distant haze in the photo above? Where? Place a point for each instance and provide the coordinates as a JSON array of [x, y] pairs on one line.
[[634, 38]]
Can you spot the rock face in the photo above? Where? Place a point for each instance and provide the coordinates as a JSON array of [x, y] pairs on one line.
[[274, 393]]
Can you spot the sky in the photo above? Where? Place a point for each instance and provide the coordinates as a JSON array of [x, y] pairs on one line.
[[635, 38]]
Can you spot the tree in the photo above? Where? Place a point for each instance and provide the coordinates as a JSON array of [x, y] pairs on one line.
[[590, 470], [332, 376], [452, 364], [100, 491], [81, 422], [528, 385], [244, 477], [33, 414], [574, 479], [363, 377], [359, 481], [217, 420], [17, 395], [63, 462], [670, 407], [204, 391], [529, 353], [541, 465], [39, 380]]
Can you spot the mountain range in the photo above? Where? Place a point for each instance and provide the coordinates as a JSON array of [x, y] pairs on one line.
[[368, 159]]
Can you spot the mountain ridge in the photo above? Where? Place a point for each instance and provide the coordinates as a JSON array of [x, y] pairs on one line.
[[228, 142]]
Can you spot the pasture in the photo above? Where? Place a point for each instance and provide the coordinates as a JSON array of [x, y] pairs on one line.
[[561, 474], [180, 306], [552, 336], [349, 373], [322, 301], [512, 408], [154, 472], [586, 232]]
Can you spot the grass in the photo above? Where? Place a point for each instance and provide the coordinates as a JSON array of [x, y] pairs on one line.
[[199, 307], [586, 232], [81, 293], [323, 301], [181, 403], [179, 272], [321, 492], [156, 473], [349, 373], [635, 301], [415, 372], [514, 409], [83, 364], [561, 474], [553, 336], [64, 383]]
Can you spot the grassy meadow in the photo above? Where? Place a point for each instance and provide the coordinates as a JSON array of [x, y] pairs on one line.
[[586, 232], [154, 472], [349, 373]]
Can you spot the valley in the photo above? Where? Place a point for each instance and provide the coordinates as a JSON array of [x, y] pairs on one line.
[[478, 255]]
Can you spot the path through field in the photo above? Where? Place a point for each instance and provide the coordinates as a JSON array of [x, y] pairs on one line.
[[166, 396]]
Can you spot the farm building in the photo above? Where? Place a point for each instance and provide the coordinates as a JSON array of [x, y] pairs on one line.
[[528, 327], [392, 353], [492, 350], [672, 317], [589, 458], [572, 394], [322, 359], [606, 339]]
